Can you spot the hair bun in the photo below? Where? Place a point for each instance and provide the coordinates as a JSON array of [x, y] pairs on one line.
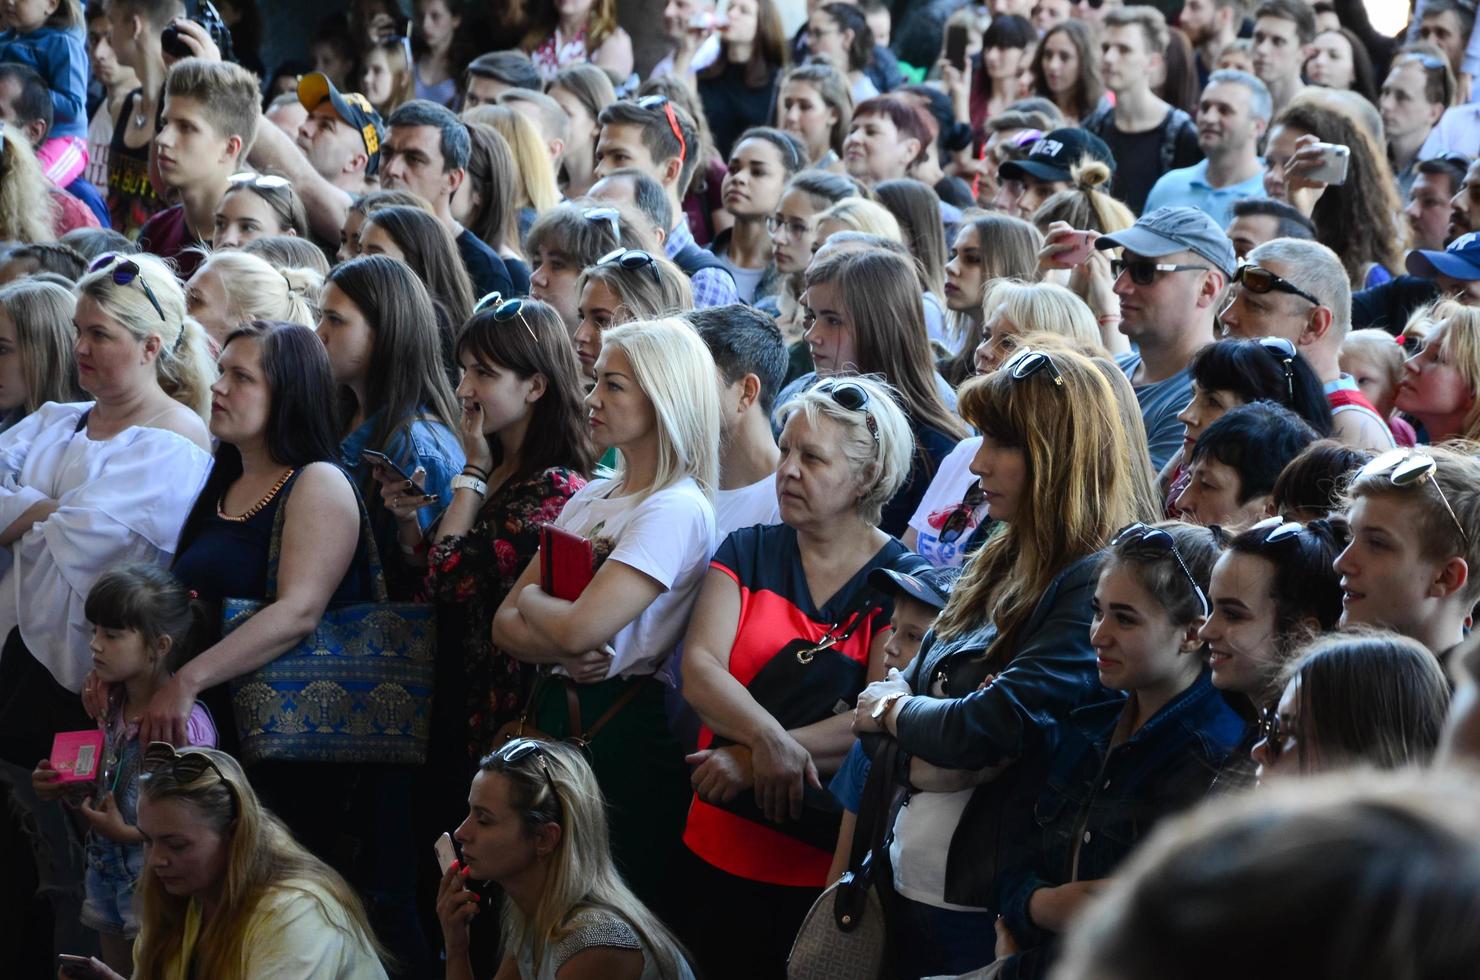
[[1090, 174]]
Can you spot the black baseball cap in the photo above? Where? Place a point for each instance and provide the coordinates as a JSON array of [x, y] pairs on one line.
[[1055, 153], [352, 107], [925, 583]]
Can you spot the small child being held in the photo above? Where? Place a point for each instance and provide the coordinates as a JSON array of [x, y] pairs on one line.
[[141, 617], [1375, 359], [47, 36]]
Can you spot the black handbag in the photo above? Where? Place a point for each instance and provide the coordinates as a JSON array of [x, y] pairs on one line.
[[806, 682]]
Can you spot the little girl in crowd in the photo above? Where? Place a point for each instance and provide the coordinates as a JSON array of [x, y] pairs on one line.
[[141, 618], [387, 78], [47, 35]]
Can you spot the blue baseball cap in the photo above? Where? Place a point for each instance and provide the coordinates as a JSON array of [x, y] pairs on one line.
[[924, 583], [1460, 260]]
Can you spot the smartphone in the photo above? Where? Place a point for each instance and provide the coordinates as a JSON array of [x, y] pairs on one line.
[[956, 46], [79, 967], [446, 851], [1081, 246], [1335, 159], [374, 458]]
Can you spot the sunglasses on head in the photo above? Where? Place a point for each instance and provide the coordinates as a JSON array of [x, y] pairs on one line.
[[1141, 533], [1258, 280], [632, 258], [1143, 272], [124, 272], [270, 182], [852, 396], [1408, 468], [611, 216], [504, 309], [1284, 352], [184, 767], [1028, 362], [653, 102], [516, 750]]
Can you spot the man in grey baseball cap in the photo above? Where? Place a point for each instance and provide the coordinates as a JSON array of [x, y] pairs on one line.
[[1174, 267]]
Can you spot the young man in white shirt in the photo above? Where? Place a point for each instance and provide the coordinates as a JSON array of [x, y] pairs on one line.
[[751, 359], [1231, 117]]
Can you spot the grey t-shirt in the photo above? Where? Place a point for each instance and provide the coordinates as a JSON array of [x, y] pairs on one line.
[[1161, 403]]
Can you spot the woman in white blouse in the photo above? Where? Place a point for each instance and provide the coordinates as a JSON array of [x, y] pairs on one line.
[[87, 485]]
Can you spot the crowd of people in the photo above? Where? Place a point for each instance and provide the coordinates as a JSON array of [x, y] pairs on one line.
[[1006, 473]]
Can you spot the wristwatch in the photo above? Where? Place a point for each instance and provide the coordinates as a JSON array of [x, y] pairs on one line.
[[882, 709], [462, 482]]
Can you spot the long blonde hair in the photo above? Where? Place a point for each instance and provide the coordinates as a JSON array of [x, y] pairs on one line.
[[185, 368], [1456, 329], [26, 208], [42, 314], [1080, 489], [262, 856], [536, 176], [256, 290], [676, 372], [580, 874]]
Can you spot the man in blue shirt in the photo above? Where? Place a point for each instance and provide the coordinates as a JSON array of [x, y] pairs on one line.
[[1231, 118]]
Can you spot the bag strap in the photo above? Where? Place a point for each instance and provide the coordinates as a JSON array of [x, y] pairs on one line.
[[275, 544], [573, 705], [853, 616], [876, 807]]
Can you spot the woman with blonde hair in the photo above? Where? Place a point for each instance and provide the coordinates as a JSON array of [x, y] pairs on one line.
[[36, 361], [1013, 308], [26, 209], [484, 201], [1441, 383], [988, 247], [90, 484], [535, 190], [227, 892], [629, 284], [230, 288], [651, 527], [857, 214], [814, 105], [1087, 204], [1011, 650], [537, 828]]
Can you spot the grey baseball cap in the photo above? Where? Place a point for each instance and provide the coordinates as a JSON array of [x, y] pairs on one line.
[[1168, 230]]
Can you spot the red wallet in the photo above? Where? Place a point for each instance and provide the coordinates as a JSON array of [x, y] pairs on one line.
[[566, 563]]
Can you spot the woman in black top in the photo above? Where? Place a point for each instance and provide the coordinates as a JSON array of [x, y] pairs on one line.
[[739, 89]]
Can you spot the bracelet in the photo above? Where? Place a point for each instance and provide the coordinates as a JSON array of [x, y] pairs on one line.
[[479, 473], [462, 482]]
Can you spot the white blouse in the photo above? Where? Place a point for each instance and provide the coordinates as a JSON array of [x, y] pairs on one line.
[[121, 499]]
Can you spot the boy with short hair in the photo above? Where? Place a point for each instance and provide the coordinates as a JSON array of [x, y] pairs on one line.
[[1415, 535], [211, 109]]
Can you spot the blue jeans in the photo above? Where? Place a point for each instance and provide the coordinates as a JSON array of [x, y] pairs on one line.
[[932, 941]]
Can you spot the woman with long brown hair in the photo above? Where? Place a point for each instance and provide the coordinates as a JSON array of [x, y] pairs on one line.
[[563, 34], [1066, 70], [738, 89]]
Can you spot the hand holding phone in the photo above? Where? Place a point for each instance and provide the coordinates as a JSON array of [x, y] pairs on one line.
[[956, 46], [381, 459], [446, 852], [83, 968], [1077, 246], [1335, 159]]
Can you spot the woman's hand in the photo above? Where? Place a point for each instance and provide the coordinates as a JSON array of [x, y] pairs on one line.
[[863, 714], [958, 87], [591, 667], [169, 710], [95, 696], [45, 781], [106, 820], [1095, 282], [474, 442], [1052, 908], [1059, 239], [781, 769], [403, 498], [722, 774], [1302, 191], [98, 970], [456, 906]]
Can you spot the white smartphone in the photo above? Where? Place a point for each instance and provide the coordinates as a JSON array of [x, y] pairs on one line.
[[1335, 159], [446, 851]]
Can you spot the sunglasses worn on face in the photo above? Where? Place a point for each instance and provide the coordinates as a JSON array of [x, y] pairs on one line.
[[183, 767], [1028, 362], [504, 309], [1284, 352], [853, 397], [1408, 468], [1143, 272], [126, 271], [1257, 280], [661, 102], [514, 751], [1159, 538]]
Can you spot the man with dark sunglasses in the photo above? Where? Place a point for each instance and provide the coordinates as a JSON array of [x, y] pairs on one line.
[[1170, 278], [1298, 290]]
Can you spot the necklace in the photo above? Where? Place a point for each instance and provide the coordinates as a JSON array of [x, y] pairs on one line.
[[256, 508]]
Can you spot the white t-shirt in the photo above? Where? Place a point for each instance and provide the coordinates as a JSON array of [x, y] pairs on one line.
[[669, 537], [952, 479], [99, 139], [746, 506], [922, 843]]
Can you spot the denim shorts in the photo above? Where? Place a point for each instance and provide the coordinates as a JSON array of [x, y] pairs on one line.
[[108, 887]]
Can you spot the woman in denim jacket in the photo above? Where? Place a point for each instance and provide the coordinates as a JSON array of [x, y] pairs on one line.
[[1056, 466], [1151, 746]]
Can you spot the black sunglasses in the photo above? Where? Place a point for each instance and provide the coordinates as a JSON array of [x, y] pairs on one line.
[[1272, 733], [1028, 362], [632, 258], [516, 750], [1410, 467], [1141, 533], [960, 519], [505, 309], [126, 271], [1143, 271], [1284, 352], [1259, 280], [184, 767], [852, 396]]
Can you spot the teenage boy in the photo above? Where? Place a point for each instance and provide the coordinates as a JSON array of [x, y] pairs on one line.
[[117, 81], [1298, 290], [1415, 536], [1146, 135], [1282, 29], [134, 29], [1413, 100], [1047, 169], [1174, 268], [211, 109], [1231, 118], [751, 359], [426, 152], [660, 139]]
